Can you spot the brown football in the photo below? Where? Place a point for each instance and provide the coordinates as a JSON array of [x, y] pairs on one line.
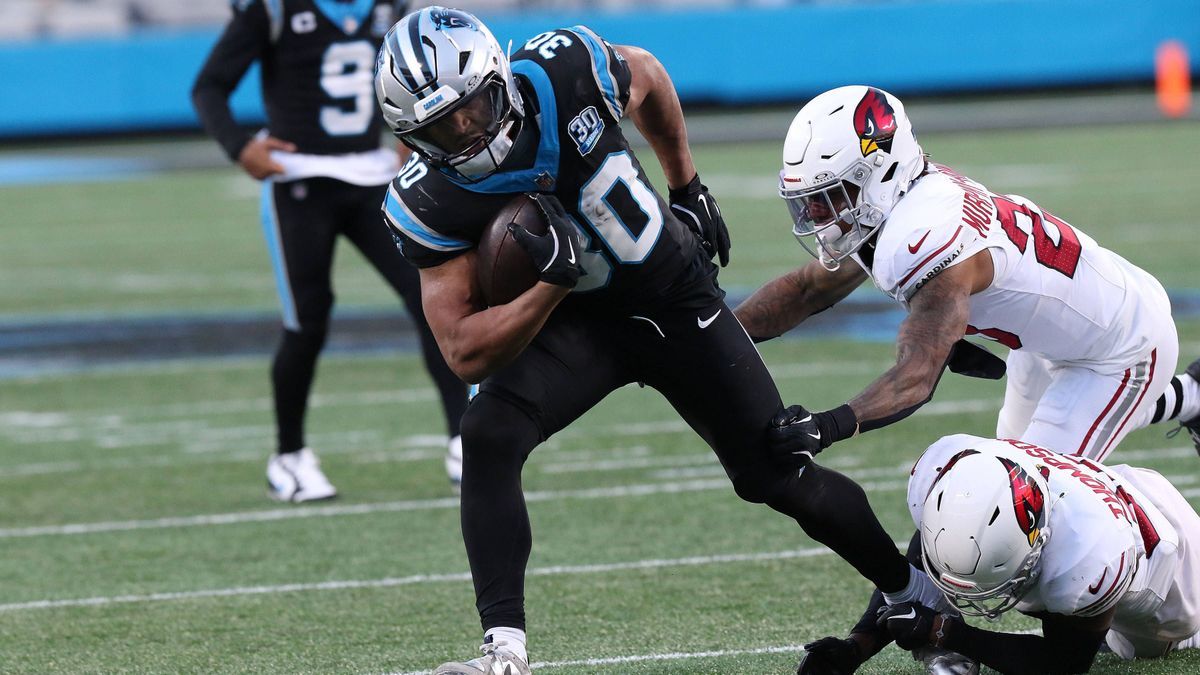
[[505, 270]]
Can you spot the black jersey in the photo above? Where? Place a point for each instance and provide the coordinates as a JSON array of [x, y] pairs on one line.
[[318, 59], [575, 87]]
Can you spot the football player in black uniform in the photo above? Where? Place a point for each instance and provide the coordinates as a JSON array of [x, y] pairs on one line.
[[627, 293], [324, 172]]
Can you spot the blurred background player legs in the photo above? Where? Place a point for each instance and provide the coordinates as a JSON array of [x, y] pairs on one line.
[[326, 172], [302, 220]]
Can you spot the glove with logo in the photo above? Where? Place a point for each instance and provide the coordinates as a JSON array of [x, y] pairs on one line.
[[698, 209], [795, 435], [556, 254], [913, 625], [830, 656]]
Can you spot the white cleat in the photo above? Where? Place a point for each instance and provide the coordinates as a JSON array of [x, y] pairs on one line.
[[496, 660], [942, 662], [297, 477], [454, 461]]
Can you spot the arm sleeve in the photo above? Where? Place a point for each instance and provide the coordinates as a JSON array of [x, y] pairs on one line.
[[1064, 649], [244, 41]]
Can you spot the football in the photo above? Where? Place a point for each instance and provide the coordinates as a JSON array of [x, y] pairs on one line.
[[505, 270]]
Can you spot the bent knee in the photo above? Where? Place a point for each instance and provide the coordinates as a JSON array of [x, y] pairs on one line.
[[494, 427]]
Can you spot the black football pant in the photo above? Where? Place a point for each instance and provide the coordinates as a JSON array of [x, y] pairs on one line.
[[713, 376], [301, 221]]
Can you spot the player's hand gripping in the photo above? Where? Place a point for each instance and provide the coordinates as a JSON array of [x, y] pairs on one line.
[[697, 208], [558, 253], [830, 656], [913, 625], [256, 160], [794, 437]]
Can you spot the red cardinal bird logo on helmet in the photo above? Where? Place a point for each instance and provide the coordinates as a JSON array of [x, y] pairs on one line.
[[874, 122], [1029, 501]]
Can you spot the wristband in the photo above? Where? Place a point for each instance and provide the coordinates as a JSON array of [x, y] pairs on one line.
[[836, 425]]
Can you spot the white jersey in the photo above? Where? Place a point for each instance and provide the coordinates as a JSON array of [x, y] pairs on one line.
[[1055, 291], [1109, 545]]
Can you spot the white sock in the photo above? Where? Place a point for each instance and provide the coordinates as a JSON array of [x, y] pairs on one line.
[[921, 590], [512, 638], [1190, 643]]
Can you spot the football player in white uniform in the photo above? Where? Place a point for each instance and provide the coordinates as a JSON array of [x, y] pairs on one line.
[[1099, 554], [1093, 345]]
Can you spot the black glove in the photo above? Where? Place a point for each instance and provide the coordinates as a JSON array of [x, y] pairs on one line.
[[968, 358], [795, 435], [556, 254], [830, 656], [910, 624], [698, 209]]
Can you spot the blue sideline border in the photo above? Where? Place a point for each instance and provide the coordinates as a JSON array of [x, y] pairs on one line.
[[733, 56]]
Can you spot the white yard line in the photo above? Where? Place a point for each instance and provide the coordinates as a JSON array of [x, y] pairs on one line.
[[641, 658], [351, 509], [555, 570]]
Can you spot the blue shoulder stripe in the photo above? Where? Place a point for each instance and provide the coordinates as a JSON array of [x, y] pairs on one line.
[[600, 69], [407, 223]]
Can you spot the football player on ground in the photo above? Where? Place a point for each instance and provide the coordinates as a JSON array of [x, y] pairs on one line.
[[627, 289], [1099, 554], [1092, 341], [324, 172]]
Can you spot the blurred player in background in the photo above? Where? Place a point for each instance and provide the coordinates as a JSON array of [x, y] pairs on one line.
[[1092, 341], [1097, 553], [324, 174], [645, 305]]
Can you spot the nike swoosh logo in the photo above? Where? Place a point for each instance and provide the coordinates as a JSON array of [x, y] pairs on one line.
[[571, 248], [912, 613], [704, 323], [1096, 589], [806, 418], [913, 248], [816, 436]]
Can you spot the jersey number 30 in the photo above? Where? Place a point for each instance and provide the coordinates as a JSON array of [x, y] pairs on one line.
[[346, 74], [626, 247]]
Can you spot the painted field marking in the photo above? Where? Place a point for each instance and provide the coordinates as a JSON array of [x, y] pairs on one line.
[[554, 570], [641, 658]]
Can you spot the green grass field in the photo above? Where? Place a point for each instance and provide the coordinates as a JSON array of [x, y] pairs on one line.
[[136, 535]]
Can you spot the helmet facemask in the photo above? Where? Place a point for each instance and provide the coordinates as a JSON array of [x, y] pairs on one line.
[[990, 603], [849, 155], [471, 138], [833, 214]]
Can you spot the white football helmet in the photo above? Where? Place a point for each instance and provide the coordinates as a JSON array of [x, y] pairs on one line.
[[447, 91], [848, 157], [983, 529]]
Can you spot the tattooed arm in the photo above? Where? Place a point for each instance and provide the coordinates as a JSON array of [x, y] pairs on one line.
[[781, 304], [937, 319]]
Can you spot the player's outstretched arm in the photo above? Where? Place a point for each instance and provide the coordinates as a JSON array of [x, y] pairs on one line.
[[782, 303], [475, 341], [937, 319], [1068, 644]]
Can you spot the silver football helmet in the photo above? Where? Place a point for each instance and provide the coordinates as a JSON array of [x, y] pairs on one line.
[[983, 529], [447, 91], [848, 157]]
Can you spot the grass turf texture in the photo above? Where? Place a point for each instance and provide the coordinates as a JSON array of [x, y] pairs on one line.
[[185, 439]]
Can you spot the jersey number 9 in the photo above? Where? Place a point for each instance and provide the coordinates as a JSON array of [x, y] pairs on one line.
[[346, 74]]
